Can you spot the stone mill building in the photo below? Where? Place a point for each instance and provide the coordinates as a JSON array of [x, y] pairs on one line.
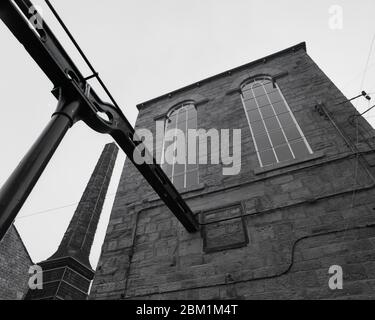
[[302, 201]]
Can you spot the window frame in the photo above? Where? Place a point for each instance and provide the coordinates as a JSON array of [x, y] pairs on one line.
[[177, 109], [261, 80]]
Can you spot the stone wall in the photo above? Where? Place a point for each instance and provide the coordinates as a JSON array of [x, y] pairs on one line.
[[280, 229]]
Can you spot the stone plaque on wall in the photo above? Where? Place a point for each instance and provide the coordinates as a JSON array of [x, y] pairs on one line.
[[224, 228]]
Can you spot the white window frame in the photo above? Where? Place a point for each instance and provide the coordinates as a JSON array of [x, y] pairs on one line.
[[303, 138], [182, 106]]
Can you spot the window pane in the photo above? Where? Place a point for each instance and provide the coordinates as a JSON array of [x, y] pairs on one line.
[[280, 107], [263, 142], [171, 121], [292, 133], [192, 178], [178, 181], [299, 149], [277, 138], [181, 124], [251, 104], [191, 167], [254, 115], [190, 153], [262, 101], [178, 168], [258, 90], [286, 120], [283, 153], [272, 124], [267, 112], [267, 157], [192, 123], [181, 119], [186, 117], [276, 133], [247, 94], [275, 96], [269, 86], [167, 168], [258, 128], [191, 112], [169, 145]]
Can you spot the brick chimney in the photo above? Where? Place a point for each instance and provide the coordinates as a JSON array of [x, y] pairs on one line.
[[67, 274]]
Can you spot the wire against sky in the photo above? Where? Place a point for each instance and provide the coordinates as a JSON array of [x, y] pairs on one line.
[[56, 208], [367, 62]]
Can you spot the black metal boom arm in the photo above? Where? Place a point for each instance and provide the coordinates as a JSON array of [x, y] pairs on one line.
[[72, 89]]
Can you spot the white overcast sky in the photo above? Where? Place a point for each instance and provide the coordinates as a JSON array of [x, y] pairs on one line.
[[145, 48]]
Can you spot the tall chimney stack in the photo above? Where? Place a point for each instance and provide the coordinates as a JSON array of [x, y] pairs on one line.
[[67, 274]]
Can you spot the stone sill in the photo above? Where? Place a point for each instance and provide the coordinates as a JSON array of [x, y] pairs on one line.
[[198, 187], [315, 155]]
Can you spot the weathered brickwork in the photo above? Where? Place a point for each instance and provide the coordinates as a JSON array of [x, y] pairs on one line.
[[15, 263], [79, 236], [291, 223]]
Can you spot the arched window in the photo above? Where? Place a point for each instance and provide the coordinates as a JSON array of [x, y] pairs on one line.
[[276, 133], [183, 117]]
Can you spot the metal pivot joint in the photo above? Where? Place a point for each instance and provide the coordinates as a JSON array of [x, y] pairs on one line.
[[77, 101]]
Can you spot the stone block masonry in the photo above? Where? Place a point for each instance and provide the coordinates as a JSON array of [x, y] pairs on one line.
[[287, 224]]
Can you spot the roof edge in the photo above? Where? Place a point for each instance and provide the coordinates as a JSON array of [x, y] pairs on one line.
[[299, 46]]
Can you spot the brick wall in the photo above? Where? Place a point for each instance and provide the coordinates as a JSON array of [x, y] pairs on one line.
[[14, 266], [286, 226]]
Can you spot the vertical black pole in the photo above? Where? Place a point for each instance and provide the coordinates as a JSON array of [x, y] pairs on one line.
[[19, 185]]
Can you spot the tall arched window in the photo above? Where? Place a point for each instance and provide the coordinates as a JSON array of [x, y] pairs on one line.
[[183, 117], [275, 131]]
